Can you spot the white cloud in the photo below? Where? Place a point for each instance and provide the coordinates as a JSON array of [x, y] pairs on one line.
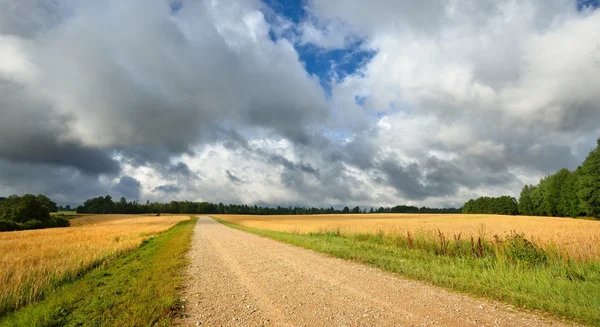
[[329, 35], [461, 98]]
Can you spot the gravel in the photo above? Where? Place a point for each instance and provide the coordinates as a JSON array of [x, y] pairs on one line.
[[239, 279]]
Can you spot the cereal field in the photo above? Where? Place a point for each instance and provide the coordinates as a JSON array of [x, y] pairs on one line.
[[578, 237], [33, 261]]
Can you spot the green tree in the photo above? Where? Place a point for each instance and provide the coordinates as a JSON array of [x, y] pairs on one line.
[[554, 203], [588, 183], [525, 203], [537, 199], [504, 205], [28, 212], [46, 202], [25, 208], [569, 201]]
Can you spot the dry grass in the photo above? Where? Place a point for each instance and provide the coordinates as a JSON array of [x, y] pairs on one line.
[[94, 219], [35, 260], [579, 238]]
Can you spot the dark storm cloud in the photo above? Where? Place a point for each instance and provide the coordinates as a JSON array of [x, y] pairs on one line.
[[441, 120], [153, 88], [63, 185], [144, 155], [45, 150], [329, 186], [128, 187], [28, 17], [232, 178], [181, 169], [438, 178], [169, 170], [303, 167], [32, 132], [360, 152], [544, 157], [167, 188], [405, 179]]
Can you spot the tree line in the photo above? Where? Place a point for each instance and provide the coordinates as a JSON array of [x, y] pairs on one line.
[[105, 204], [504, 205], [29, 212], [563, 194]]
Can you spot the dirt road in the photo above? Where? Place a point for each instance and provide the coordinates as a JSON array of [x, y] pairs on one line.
[[240, 279]]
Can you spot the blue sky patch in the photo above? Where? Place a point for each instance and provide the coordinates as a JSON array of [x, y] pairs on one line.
[[360, 100], [318, 61], [337, 63], [290, 9], [587, 4], [175, 5]]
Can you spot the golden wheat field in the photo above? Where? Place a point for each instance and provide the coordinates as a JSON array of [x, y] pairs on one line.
[[578, 237], [33, 260]]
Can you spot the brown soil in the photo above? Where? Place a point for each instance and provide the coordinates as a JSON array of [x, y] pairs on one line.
[[240, 279]]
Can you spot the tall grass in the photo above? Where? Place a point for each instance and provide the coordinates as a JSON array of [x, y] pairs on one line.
[[33, 263], [509, 268], [140, 288], [579, 238]]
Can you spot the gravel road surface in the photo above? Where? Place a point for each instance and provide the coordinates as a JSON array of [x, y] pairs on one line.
[[239, 279]]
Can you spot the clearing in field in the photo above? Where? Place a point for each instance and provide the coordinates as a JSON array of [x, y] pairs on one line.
[[579, 238], [35, 261]]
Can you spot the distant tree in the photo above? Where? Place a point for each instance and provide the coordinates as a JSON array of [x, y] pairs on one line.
[[537, 199], [371, 211], [504, 205], [525, 204], [356, 209], [569, 201], [588, 183], [346, 210], [46, 202], [405, 209], [554, 193], [29, 212], [555, 203]]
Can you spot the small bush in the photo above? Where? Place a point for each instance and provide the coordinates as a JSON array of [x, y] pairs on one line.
[[520, 250], [7, 226], [60, 221], [33, 224]]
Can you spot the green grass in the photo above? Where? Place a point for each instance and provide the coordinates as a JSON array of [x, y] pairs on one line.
[[65, 213], [518, 275], [137, 289]]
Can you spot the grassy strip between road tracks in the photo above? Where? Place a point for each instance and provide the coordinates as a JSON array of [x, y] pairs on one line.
[[539, 281], [139, 288]]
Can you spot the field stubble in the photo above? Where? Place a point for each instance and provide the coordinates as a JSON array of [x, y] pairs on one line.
[[35, 261], [577, 238]]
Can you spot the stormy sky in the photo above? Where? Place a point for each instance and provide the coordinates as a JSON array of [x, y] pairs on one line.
[[319, 102]]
